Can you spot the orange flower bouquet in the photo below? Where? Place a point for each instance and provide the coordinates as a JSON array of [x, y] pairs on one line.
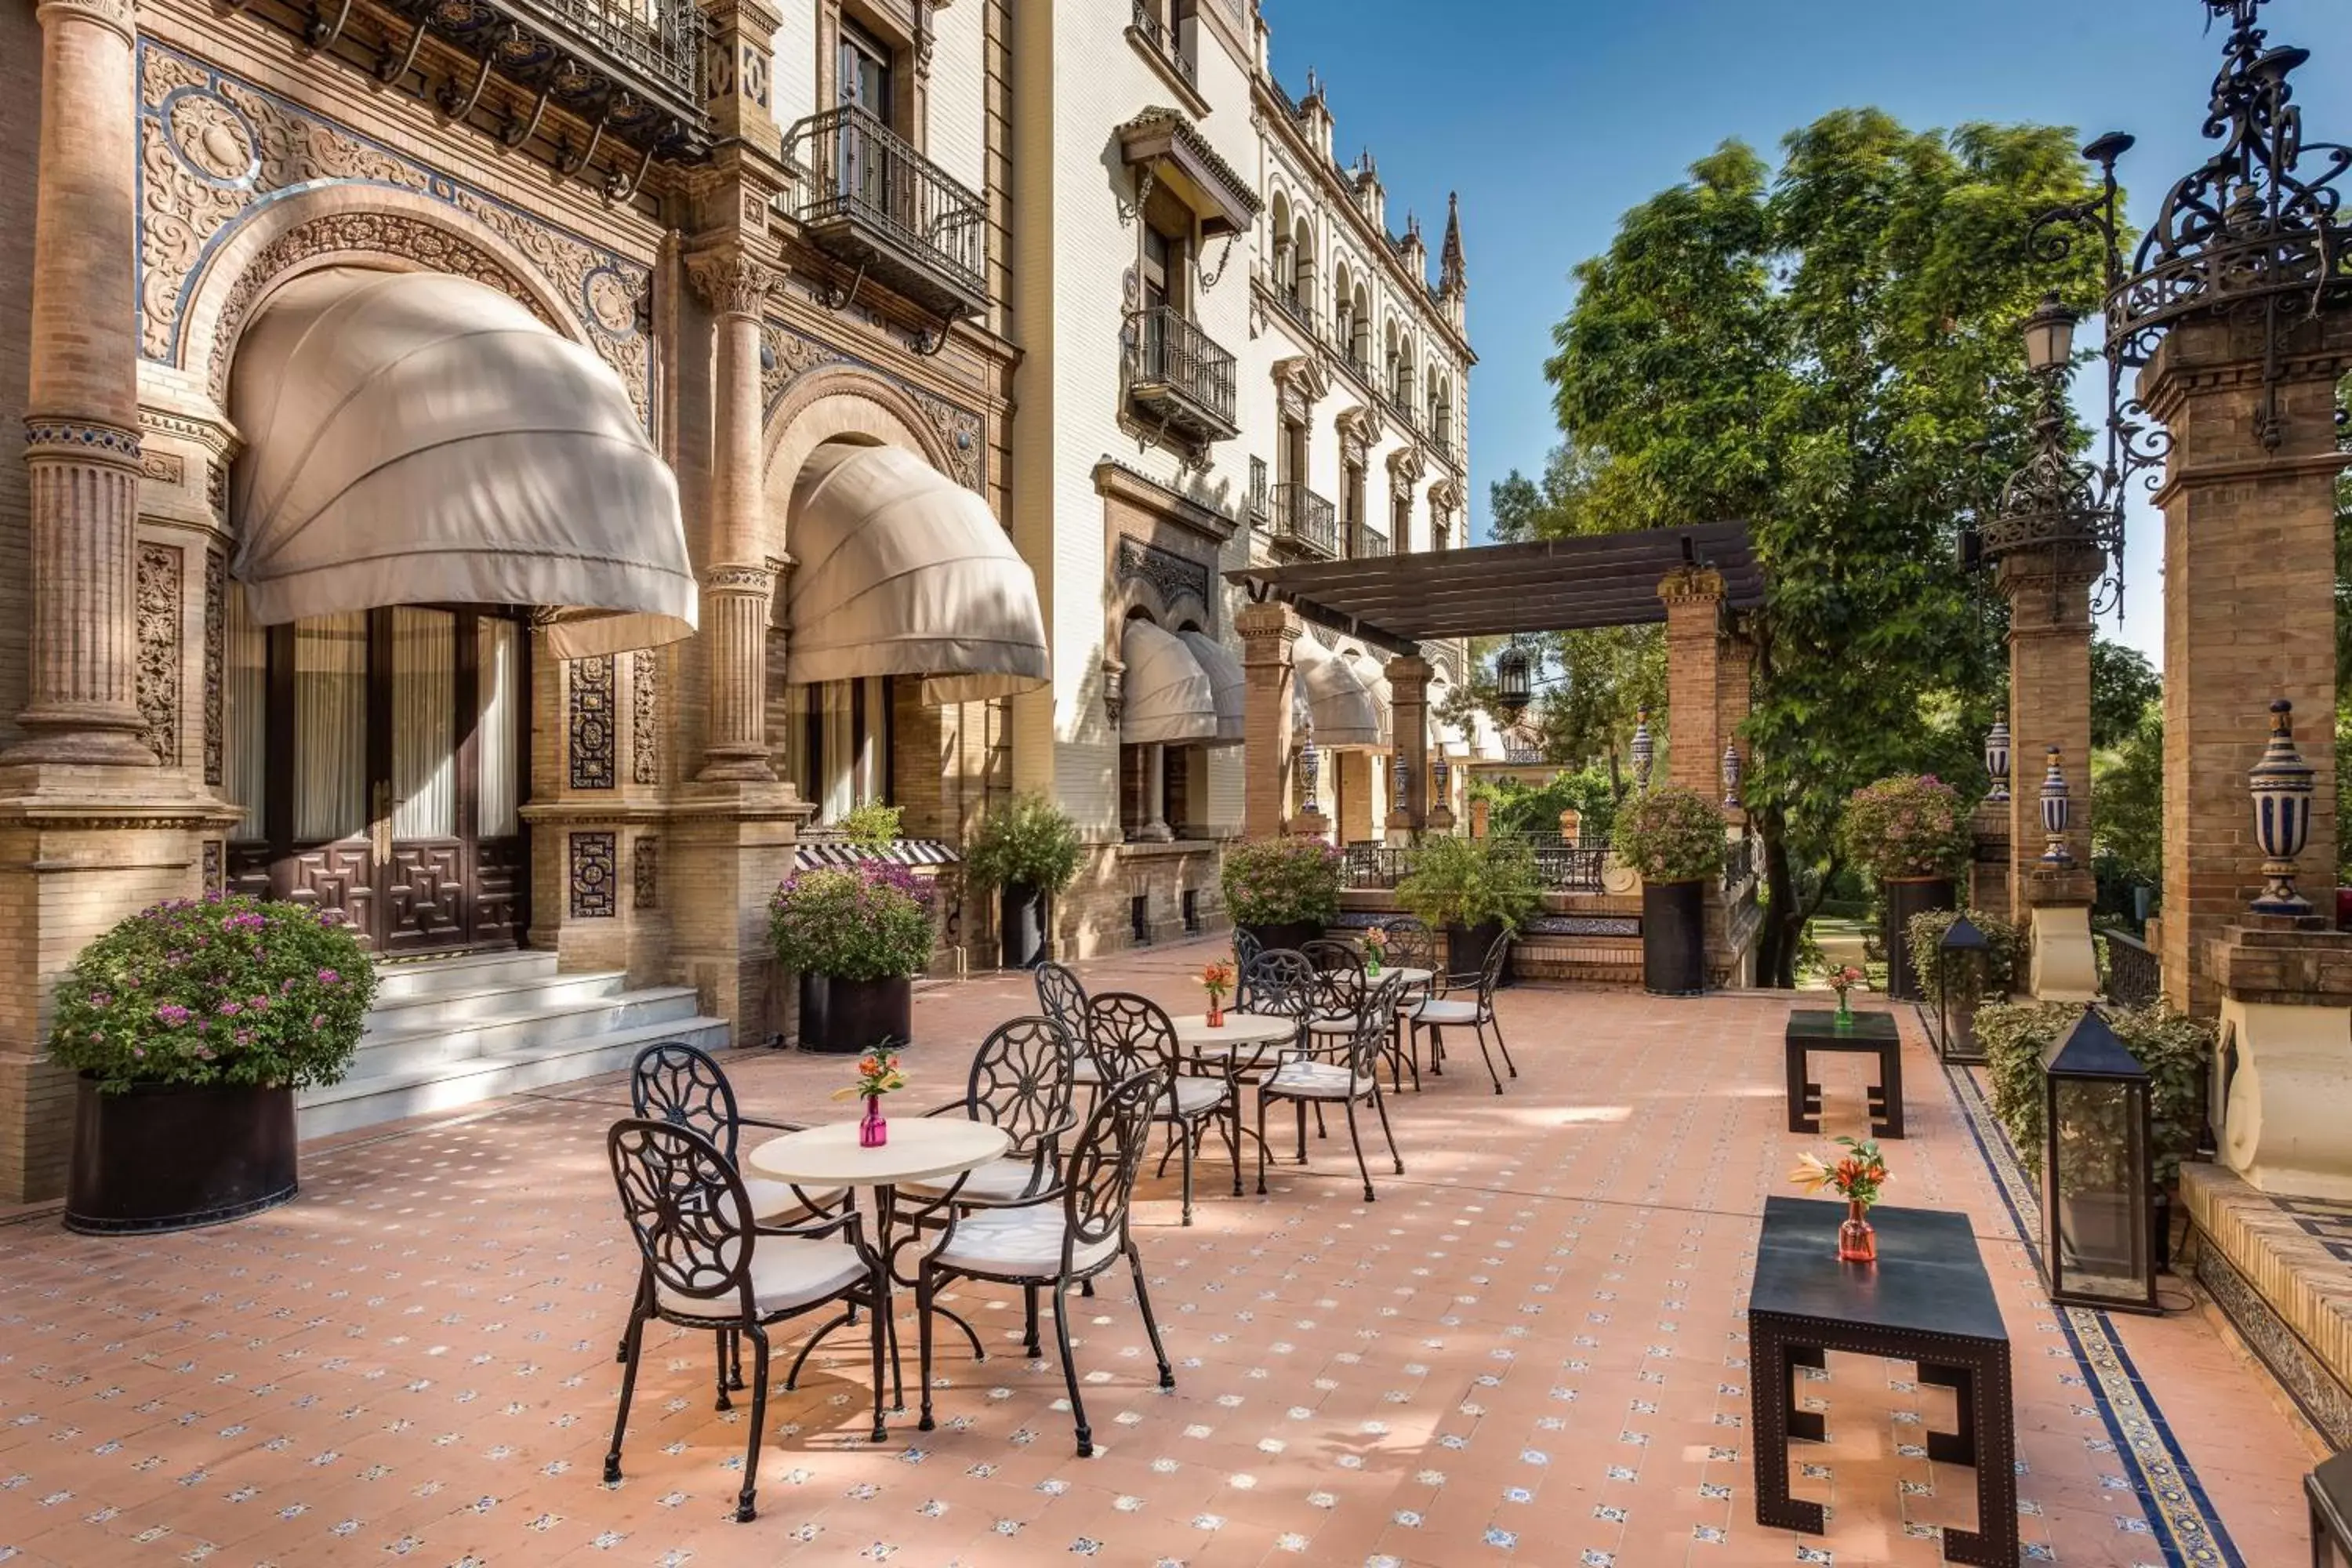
[[877, 1074], [1217, 979], [1856, 1176]]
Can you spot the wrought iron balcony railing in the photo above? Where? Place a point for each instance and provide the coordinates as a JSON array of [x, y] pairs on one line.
[[871, 200], [1179, 377], [1559, 868], [1365, 544], [1304, 521], [1401, 408], [1165, 44], [1299, 311], [2135, 975]]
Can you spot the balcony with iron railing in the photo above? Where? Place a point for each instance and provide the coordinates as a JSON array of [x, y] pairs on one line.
[[1299, 310], [1304, 522], [1163, 42], [1366, 544], [1178, 377], [870, 201]]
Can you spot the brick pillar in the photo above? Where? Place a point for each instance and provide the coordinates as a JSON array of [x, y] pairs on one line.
[[1409, 686], [2049, 595], [2249, 612], [81, 424], [1268, 633], [1693, 597], [736, 583]]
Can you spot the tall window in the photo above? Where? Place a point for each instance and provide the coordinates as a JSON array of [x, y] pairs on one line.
[[838, 744], [865, 72], [1167, 254], [1352, 506], [1401, 518]]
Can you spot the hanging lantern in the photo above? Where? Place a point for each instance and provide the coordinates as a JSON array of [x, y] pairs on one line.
[[1511, 683], [1310, 769], [2057, 812], [1645, 750], [2098, 1171], [2281, 786], [1731, 778], [1996, 759], [1961, 960]]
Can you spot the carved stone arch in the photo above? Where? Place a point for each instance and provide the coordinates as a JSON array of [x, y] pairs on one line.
[[345, 225], [1164, 606], [840, 402]]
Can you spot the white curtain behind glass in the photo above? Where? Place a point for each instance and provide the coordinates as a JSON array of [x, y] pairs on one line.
[[423, 723], [330, 662], [499, 790], [248, 716], [839, 788]]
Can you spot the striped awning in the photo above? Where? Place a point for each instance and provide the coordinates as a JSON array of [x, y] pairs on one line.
[[905, 852]]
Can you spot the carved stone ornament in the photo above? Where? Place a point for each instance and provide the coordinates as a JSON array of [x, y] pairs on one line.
[[1304, 375], [786, 355], [645, 721], [81, 439], [212, 147], [1406, 465], [739, 580], [593, 895], [730, 283], [158, 600], [1174, 577], [215, 662], [1360, 429], [648, 869], [112, 15], [591, 722]]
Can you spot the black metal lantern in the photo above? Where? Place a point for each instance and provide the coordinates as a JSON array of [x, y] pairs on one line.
[[1512, 689], [1962, 959], [2329, 1491], [2098, 1180]]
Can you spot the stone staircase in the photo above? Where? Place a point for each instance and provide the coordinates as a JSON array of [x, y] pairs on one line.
[[446, 1033]]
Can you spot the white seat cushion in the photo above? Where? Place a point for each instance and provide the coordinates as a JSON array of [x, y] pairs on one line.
[[1316, 1080], [1331, 1026], [996, 1182], [1194, 1095], [771, 1201], [1082, 1070], [1439, 1010], [787, 1272], [1022, 1241]]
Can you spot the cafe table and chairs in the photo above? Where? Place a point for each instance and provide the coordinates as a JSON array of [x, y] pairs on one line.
[[1132, 1035], [1351, 1081], [1464, 1002]]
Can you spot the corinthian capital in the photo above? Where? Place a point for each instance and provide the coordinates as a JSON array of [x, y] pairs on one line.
[[731, 282]]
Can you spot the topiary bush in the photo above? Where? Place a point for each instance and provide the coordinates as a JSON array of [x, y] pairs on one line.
[[2177, 1051], [1912, 825], [1027, 842], [1275, 881], [1671, 835], [2004, 943]]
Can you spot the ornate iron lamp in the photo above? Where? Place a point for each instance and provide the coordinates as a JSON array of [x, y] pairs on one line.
[[1310, 769], [2281, 786], [2057, 816], [2098, 1180], [1645, 750], [1996, 757], [1962, 959], [1512, 682]]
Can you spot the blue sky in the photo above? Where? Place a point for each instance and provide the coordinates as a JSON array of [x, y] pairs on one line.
[[1552, 117]]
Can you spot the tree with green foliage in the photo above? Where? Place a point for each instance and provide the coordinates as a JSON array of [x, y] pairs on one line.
[[2123, 686], [1830, 353]]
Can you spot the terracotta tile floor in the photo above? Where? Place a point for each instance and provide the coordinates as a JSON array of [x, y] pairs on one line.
[[1529, 1349]]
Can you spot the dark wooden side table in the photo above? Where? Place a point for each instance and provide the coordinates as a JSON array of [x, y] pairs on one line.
[[1929, 1300], [1810, 1030]]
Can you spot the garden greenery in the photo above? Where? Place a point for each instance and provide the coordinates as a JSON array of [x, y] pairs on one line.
[[1455, 881], [2177, 1051], [1671, 835], [1274, 881], [868, 921], [2005, 944], [1027, 842], [228, 991], [1911, 825], [872, 825], [1534, 809]]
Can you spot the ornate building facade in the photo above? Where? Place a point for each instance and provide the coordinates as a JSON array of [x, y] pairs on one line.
[[514, 471]]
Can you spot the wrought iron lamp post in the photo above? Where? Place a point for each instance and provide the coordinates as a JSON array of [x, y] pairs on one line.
[[1961, 960], [2098, 1179]]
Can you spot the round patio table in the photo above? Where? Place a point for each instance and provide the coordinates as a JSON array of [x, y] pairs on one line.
[[929, 1149], [1240, 1030]]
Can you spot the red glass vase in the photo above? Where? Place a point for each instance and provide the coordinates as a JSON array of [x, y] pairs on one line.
[[874, 1132], [1216, 1013], [1857, 1243]]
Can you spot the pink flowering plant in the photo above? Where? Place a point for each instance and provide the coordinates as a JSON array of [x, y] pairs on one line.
[[1912, 825], [1276, 882], [868, 921], [221, 991]]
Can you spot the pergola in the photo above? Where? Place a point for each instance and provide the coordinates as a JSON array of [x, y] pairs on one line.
[[1689, 578]]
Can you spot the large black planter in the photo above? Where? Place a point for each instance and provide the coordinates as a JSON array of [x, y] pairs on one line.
[[1674, 938], [1466, 948], [1291, 934], [170, 1156], [849, 1017], [1021, 920], [1906, 897]]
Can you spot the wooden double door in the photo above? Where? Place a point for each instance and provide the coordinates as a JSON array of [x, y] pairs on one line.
[[383, 759]]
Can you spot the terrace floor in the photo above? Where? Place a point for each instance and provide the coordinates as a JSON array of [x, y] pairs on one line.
[[1529, 1350]]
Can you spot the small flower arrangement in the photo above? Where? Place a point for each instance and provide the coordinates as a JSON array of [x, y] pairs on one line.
[[1376, 950], [1856, 1176], [1843, 979], [1217, 979], [879, 1074]]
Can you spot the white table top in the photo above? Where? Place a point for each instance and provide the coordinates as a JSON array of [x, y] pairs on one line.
[[1193, 1031], [1414, 974], [921, 1149]]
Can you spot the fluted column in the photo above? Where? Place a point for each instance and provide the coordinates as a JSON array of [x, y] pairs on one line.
[[81, 424], [737, 585]]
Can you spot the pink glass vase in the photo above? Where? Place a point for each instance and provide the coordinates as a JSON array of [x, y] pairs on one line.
[[873, 1131], [1857, 1243]]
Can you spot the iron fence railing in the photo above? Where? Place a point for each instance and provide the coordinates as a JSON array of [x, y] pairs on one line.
[[1165, 44], [1305, 518], [1299, 310], [1166, 348], [2134, 976], [664, 42], [1366, 545], [1738, 863], [860, 169], [1560, 866]]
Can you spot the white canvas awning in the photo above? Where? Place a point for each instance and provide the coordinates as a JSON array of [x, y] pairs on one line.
[[1384, 697], [1444, 735], [901, 571], [1168, 696], [1343, 710], [1227, 683], [414, 438]]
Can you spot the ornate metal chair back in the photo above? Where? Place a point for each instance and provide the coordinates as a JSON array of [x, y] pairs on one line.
[[1411, 945], [1490, 975], [1099, 1185], [1062, 998], [1246, 949], [673, 1081], [1130, 1035], [687, 1207], [1021, 1082], [1279, 982], [1370, 1040]]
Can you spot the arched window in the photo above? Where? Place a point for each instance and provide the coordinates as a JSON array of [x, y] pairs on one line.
[[1343, 303], [1360, 345], [1285, 257], [1400, 378], [1302, 282]]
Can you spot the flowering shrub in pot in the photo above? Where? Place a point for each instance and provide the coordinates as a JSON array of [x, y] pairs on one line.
[[1910, 832], [1478, 891], [1028, 849], [1283, 891], [192, 1025], [857, 936], [1674, 838]]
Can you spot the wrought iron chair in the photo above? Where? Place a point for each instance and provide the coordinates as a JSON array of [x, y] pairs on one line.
[[1060, 1237], [1021, 1082], [709, 1265], [1411, 945], [1349, 1082], [1061, 997], [1339, 992], [1449, 1010], [1246, 949], [1132, 1035]]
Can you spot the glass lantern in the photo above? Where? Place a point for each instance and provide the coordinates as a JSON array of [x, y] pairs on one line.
[[2329, 1491], [1961, 959], [2098, 1177], [1513, 683]]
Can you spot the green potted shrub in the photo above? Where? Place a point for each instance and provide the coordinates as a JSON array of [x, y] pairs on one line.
[[1028, 850], [1478, 891], [857, 936], [1282, 891], [192, 1025], [1673, 837], [1910, 832]]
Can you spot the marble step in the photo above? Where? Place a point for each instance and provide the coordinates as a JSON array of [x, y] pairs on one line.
[[526, 1026]]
